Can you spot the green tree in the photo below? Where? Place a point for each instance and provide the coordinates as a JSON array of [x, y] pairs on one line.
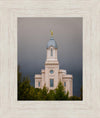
[[38, 94], [74, 98], [19, 78], [67, 96], [81, 93], [19, 75], [60, 92], [24, 88], [44, 93], [51, 95]]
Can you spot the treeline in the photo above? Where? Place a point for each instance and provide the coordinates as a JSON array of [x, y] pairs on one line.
[[28, 92]]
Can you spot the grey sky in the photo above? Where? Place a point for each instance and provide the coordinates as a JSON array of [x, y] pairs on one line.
[[33, 36]]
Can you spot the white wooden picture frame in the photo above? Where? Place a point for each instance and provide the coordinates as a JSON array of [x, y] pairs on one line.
[[10, 107]]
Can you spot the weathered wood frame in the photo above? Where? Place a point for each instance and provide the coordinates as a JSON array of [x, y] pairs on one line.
[[9, 12]]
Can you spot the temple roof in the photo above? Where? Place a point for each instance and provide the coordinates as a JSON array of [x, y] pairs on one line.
[[52, 42]]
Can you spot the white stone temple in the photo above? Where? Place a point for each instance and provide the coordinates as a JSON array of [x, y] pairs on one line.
[[51, 75]]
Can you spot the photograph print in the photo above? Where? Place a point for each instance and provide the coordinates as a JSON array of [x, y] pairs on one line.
[[49, 52]]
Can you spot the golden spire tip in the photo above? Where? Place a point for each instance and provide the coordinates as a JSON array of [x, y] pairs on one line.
[[51, 33]]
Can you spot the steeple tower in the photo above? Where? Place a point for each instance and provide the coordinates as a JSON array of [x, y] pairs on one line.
[[52, 50]]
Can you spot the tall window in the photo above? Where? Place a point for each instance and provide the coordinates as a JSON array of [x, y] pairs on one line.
[[51, 82], [64, 83], [51, 52], [38, 84]]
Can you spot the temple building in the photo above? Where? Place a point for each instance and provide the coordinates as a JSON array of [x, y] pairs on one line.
[[51, 75]]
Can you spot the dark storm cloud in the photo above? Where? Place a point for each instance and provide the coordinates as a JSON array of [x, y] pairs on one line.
[[33, 36]]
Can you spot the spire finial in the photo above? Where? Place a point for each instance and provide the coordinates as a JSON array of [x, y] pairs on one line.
[[51, 33]]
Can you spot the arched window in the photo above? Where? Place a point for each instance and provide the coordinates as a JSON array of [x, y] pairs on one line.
[[51, 82], [51, 52], [38, 84], [64, 83]]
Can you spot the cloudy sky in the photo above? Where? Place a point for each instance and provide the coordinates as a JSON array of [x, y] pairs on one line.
[[33, 36]]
